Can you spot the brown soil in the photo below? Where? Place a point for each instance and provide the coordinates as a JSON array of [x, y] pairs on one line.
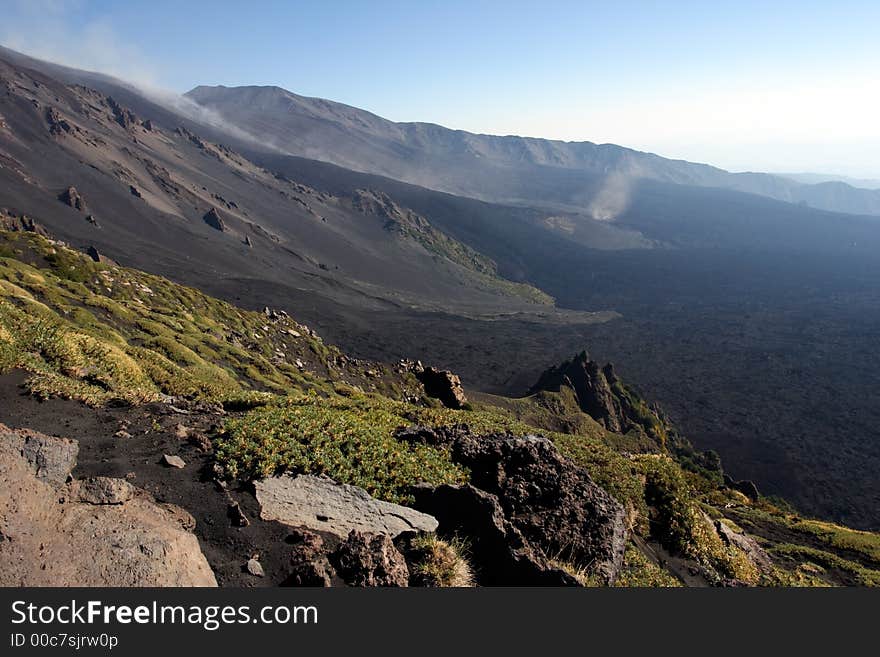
[[152, 428]]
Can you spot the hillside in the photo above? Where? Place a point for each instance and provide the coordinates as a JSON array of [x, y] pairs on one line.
[[133, 366], [212, 216]]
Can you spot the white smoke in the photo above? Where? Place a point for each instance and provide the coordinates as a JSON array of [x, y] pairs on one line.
[[187, 107], [613, 198], [42, 29]]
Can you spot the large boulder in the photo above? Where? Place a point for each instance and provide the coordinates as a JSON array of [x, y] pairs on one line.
[[744, 486], [498, 551], [443, 385], [96, 532], [72, 198], [102, 490], [360, 559], [309, 565], [321, 504], [365, 559], [99, 257], [524, 483], [214, 220]]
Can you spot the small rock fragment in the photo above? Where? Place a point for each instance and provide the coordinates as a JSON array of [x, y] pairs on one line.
[[255, 568], [236, 515], [173, 461]]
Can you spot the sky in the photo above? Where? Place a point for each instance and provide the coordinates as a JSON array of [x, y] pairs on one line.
[[747, 85]]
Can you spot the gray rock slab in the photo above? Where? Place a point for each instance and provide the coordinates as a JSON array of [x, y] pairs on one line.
[[323, 505]]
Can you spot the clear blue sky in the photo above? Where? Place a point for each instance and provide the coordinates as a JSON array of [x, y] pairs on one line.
[[770, 85]]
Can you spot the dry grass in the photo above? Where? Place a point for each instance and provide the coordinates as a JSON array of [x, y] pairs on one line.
[[441, 563]]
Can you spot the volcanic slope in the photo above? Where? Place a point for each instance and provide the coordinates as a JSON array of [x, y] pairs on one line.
[[167, 200], [134, 366]]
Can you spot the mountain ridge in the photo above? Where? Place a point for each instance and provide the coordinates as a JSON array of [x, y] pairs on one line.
[[341, 134]]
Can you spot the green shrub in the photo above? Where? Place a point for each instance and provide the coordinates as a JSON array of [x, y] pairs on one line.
[[348, 439]]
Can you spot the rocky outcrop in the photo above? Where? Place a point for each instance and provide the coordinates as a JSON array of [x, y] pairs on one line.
[[525, 509], [443, 385], [601, 395], [97, 256], [213, 219], [94, 532], [58, 125], [499, 552], [747, 544], [73, 198], [323, 505], [20, 223], [744, 486], [122, 115]]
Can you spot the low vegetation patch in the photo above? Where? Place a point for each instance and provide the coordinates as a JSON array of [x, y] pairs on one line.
[[94, 332], [639, 571], [347, 438], [813, 561], [440, 563], [681, 525]]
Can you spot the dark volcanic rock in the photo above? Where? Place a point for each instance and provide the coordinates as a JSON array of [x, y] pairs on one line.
[[308, 560], [744, 486], [135, 191], [97, 256], [591, 388], [498, 551], [599, 393], [122, 115], [526, 504], [22, 223], [72, 198], [213, 219], [370, 560], [57, 123], [236, 515], [443, 385]]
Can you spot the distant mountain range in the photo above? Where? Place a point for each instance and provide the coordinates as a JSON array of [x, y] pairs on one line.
[[574, 176], [816, 178]]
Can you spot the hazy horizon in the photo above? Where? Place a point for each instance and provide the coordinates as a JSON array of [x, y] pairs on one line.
[[790, 88]]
